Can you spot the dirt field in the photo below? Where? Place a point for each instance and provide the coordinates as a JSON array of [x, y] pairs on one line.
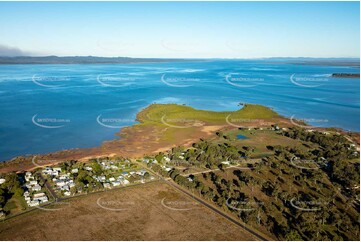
[[148, 212]]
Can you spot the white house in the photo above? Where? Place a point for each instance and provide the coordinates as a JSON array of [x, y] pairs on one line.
[[40, 194], [115, 183], [65, 188], [2, 180], [141, 172], [60, 183], [36, 188], [114, 167], [34, 203], [42, 199], [111, 179], [73, 171]]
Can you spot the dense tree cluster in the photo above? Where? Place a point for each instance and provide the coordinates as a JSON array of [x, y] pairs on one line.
[[308, 192]]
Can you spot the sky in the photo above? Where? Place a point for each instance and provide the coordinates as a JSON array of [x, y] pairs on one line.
[[181, 29]]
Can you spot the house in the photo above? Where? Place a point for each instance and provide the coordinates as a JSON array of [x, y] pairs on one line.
[[166, 159], [54, 173], [115, 183], [87, 168], [58, 169], [63, 177], [47, 170], [74, 171], [124, 173], [65, 188], [125, 182], [40, 194], [225, 162], [33, 183], [34, 203], [106, 185], [102, 178], [111, 179], [141, 172], [67, 193], [114, 167], [2, 180], [60, 183], [42, 199], [36, 188]]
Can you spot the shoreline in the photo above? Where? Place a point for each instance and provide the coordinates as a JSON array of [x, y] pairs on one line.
[[147, 137]]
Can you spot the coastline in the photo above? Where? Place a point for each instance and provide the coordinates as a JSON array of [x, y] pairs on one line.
[[151, 135]]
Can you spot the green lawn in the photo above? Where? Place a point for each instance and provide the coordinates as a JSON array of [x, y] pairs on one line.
[[180, 114]]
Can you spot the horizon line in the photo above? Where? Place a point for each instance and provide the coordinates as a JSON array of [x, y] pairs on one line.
[[180, 58]]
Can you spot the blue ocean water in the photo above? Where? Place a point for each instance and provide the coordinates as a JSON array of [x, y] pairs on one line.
[[46, 108]]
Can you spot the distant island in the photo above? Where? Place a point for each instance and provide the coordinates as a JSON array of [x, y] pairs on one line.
[[83, 60], [347, 75]]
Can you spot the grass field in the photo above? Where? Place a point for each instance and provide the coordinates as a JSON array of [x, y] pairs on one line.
[[150, 213], [179, 114]]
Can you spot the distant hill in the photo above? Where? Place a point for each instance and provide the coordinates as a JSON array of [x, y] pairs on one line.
[[82, 60]]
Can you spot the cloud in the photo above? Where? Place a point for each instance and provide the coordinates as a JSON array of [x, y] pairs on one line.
[[12, 51]]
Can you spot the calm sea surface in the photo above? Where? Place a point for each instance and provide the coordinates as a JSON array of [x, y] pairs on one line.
[[46, 108]]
